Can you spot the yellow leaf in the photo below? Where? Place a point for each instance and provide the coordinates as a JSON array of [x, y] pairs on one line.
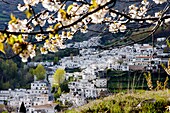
[[28, 13], [57, 37], [11, 40], [51, 35], [47, 41], [50, 28], [34, 47], [94, 5], [13, 19], [2, 37], [17, 38], [63, 14], [20, 38], [57, 26], [69, 8], [2, 47], [62, 11]]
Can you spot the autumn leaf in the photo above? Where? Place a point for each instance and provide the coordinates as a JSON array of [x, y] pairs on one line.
[[2, 47], [20, 38], [13, 19], [2, 37], [57, 37], [11, 40], [94, 5], [69, 8], [28, 13], [51, 35], [63, 14], [57, 26]]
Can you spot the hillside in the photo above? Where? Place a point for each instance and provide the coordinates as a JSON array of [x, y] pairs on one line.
[[139, 101]]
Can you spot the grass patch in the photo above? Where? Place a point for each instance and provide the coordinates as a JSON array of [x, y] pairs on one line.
[[150, 102]]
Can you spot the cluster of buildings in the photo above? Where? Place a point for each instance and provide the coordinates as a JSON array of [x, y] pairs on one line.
[[92, 42], [85, 86], [34, 99], [136, 57], [91, 81]]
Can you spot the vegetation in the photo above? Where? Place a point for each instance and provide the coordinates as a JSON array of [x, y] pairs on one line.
[[14, 76], [22, 108], [59, 77], [39, 72], [140, 101], [45, 31], [59, 82], [119, 81]]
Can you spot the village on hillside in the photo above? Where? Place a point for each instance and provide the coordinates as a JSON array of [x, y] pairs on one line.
[[89, 83]]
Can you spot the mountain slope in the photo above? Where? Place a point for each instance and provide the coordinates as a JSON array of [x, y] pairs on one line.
[[140, 101]]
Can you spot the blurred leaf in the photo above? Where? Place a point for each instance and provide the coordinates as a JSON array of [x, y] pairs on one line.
[[69, 8], [11, 40], [13, 19], [2, 37], [63, 14], [2, 47], [20, 38], [51, 35], [28, 13], [57, 26], [94, 5]]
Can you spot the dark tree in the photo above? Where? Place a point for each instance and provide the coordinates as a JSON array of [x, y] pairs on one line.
[[22, 108]]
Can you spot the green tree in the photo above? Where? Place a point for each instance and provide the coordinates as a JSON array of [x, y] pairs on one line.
[[55, 60], [64, 87], [59, 91], [39, 72], [6, 85], [9, 68], [8, 74], [58, 77]]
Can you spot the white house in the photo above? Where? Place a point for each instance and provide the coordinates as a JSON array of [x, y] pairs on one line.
[[46, 108]]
